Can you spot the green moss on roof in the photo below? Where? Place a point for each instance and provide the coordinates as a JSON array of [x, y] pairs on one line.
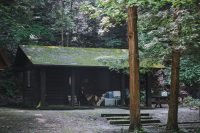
[[73, 56], [150, 63]]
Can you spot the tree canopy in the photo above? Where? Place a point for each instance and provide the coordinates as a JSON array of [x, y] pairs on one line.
[[156, 28]]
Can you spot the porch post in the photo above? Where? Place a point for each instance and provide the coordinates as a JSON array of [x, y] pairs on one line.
[[43, 86], [24, 87], [73, 87], [123, 89], [148, 89]]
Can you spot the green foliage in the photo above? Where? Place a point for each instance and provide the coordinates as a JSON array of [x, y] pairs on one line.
[[191, 102], [15, 26], [8, 87], [30, 34], [7, 73], [142, 97], [113, 42], [34, 22], [5, 23], [7, 84], [63, 18], [119, 64], [190, 70]]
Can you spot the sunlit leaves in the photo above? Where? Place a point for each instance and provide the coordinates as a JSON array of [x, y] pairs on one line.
[[190, 70]]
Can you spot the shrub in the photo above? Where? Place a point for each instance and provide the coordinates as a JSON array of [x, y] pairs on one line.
[[191, 102], [142, 97], [8, 87]]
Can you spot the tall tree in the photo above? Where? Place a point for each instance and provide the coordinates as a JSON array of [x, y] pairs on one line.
[[172, 122], [134, 69], [175, 32], [110, 8]]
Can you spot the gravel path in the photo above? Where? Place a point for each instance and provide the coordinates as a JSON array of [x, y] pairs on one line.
[[80, 121]]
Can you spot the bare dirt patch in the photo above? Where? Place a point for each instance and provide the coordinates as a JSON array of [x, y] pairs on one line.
[[83, 121]]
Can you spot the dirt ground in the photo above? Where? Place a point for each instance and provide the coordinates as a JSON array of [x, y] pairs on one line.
[[84, 121]]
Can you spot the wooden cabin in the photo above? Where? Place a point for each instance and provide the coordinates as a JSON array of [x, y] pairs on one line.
[[59, 75]]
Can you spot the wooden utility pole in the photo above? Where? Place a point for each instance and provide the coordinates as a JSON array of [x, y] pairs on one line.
[[134, 70]]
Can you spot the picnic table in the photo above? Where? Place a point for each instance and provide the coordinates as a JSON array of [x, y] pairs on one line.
[[159, 100]]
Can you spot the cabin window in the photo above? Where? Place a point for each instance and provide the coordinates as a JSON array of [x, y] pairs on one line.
[[28, 78]]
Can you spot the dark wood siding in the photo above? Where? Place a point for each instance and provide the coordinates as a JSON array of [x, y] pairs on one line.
[[115, 81], [28, 90], [87, 79], [35, 85], [97, 81], [57, 88], [103, 77], [94, 80]]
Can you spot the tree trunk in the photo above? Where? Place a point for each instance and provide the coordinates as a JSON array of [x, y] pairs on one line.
[[172, 122], [62, 19], [134, 70], [62, 37], [70, 35]]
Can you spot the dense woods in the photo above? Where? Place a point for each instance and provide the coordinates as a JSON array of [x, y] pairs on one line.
[[54, 23]]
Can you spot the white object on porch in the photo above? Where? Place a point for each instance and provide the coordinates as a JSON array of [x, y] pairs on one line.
[[116, 94], [109, 102]]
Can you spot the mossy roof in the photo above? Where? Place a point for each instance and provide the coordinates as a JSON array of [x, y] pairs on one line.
[[71, 56]]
